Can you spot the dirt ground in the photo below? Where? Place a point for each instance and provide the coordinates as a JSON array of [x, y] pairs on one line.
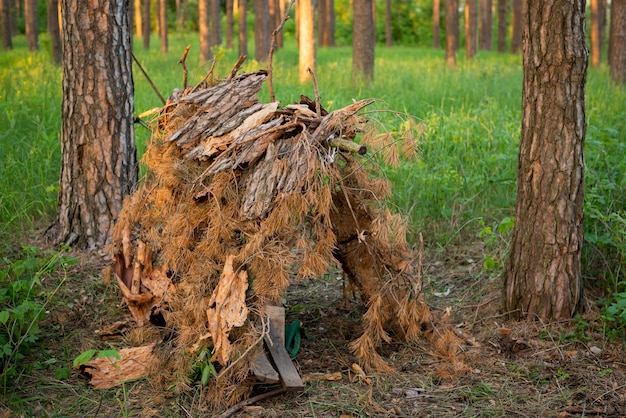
[[509, 368]]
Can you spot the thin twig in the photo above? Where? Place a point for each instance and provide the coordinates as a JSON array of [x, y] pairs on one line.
[[236, 67], [270, 84], [232, 411], [184, 64], [318, 106], [210, 73], [156, 90]]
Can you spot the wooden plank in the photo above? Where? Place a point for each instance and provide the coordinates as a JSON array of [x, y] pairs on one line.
[[263, 369], [288, 373]]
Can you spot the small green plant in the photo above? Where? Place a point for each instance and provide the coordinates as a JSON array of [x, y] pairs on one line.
[[204, 369], [22, 305], [496, 242], [580, 333]]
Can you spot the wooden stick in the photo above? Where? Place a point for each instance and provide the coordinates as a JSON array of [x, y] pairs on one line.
[[145, 74], [318, 106], [184, 64], [270, 84], [232, 411], [210, 73], [238, 65]]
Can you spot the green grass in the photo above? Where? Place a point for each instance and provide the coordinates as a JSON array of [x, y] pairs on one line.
[[468, 151]]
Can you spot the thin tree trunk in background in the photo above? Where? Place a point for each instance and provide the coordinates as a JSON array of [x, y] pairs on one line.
[[436, 24], [261, 30], [452, 20], [145, 27], [204, 29], [306, 56], [32, 29], [542, 278], [14, 13], [216, 23], [388, 40], [617, 41], [137, 14], [99, 159], [7, 38], [243, 28], [363, 42], [53, 30], [516, 37], [230, 24], [181, 14], [503, 9], [279, 17], [163, 25], [321, 21], [486, 25], [326, 22], [471, 28], [598, 18]]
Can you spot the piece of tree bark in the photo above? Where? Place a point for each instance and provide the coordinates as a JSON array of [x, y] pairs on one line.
[[363, 42], [452, 31], [134, 363], [99, 161], [306, 52], [617, 41], [53, 30], [542, 279], [471, 28]]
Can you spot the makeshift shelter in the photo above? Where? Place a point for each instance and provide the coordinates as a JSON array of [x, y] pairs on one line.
[[242, 198]]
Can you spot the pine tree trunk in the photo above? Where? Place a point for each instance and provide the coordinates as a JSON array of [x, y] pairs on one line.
[[516, 37], [204, 29], [542, 278], [452, 31], [230, 24], [99, 161], [363, 42], [243, 28], [163, 26], [32, 29], [471, 28], [137, 14], [617, 41], [306, 57], [436, 24], [261, 30], [502, 24], [53, 30], [388, 40], [7, 38], [486, 22], [216, 23], [145, 27]]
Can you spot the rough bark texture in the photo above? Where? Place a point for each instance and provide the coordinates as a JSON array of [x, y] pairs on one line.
[[363, 41], [32, 29], [516, 37], [262, 35], [99, 166], [53, 30], [486, 22], [163, 25], [243, 28], [503, 6], [145, 28], [542, 278], [617, 41], [7, 40], [471, 28], [306, 56], [204, 29], [452, 31], [436, 24]]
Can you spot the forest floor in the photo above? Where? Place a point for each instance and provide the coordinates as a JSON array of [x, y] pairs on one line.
[[525, 369]]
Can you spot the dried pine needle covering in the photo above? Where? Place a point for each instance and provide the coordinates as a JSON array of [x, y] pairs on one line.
[[243, 197]]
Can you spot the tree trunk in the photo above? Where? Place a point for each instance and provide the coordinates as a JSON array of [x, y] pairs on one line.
[[503, 9], [471, 28], [163, 25], [388, 40], [53, 30], [306, 57], [617, 41], [436, 24], [32, 29], [230, 24], [137, 14], [516, 37], [486, 23], [145, 27], [99, 166], [326, 22], [321, 21], [261, 30], [596, 31], [204, 29], [7, 39], [363, 42], [216, 23], [243, 27], [542, 278], [452, 31], [181, 14]]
